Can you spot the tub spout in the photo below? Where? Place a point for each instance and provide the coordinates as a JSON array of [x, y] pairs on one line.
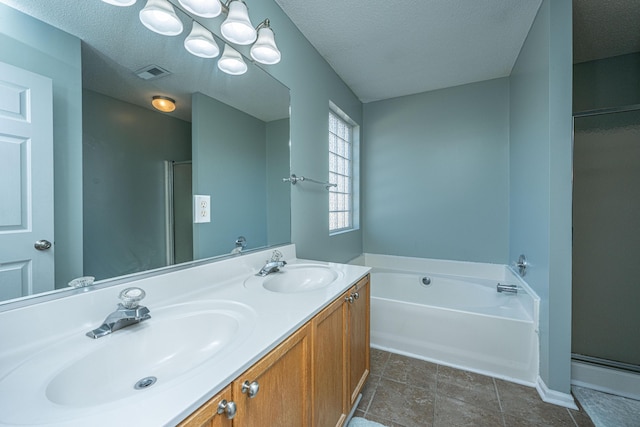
[[510, 289]]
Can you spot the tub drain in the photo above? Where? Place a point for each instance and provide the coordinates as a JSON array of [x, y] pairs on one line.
[[145, 383], [425, 281]]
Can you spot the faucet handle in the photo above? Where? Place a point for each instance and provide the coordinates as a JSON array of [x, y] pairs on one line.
[[276, 256], [131, 297]]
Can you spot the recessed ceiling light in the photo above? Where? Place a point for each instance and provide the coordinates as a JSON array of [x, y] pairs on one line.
[[163, 103]]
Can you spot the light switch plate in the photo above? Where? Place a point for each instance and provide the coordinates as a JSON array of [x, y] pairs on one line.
[[201, 208]]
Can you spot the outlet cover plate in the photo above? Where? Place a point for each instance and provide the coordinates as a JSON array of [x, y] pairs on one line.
[[201, 208]]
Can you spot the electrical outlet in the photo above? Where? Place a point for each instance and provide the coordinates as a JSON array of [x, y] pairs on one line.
[[201, 208]]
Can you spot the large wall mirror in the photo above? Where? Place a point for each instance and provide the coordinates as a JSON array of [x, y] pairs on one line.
[[114, 195]]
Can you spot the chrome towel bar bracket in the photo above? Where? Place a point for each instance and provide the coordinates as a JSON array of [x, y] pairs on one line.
[[293, 179]]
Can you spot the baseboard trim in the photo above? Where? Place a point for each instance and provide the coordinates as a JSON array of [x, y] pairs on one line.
[[554, 397], [608, 380]]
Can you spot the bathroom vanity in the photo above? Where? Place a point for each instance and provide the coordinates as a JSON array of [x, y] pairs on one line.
[[223, 347], [316, 373]]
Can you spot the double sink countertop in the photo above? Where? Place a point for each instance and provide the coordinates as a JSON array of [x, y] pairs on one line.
[[209, 323]]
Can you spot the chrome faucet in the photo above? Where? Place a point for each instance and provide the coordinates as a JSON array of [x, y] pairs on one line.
[[273, 265], [128, 313], [510, 289]]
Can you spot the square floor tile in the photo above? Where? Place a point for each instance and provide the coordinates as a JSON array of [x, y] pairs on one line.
[[524, 403], [378, 360], [402, 403], [412, 371], [453, 412], [479, 390]]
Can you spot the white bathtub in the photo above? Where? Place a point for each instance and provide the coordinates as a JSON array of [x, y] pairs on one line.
[[458, 320]]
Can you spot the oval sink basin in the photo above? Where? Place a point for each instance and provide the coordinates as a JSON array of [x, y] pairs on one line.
[[176, 340], [295, 278]]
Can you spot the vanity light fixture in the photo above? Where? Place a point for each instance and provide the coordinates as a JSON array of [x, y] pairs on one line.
[[237, 28], [200, 42], [163, 103], [231, 62], [204, 8], [160, 17], [120, 2], [264, 50]]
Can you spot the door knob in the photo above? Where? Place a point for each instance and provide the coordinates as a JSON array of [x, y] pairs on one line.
[[42, 245]]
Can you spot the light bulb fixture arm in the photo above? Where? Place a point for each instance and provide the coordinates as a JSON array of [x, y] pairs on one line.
[[225, 5], [264, 24]]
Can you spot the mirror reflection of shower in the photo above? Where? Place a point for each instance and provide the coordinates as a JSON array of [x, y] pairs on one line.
[[179, 227]]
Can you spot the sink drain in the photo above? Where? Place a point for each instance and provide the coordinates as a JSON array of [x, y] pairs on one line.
[[426, 281], [145, 383]]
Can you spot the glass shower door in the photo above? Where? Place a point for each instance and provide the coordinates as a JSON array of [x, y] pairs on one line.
[[606, 239]]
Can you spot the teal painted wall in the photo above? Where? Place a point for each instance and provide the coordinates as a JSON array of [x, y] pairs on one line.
[[42, 49], [540, 180], [124, 149], [435, 174], [606, 83], [228, 165], [278, 193], [313, 84]]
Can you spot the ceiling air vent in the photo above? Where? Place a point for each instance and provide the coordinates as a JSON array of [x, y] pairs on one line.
[[152, 72]]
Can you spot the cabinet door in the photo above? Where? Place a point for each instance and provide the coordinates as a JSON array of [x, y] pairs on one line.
[[283, 377], [329, 368], [207, 415], [358, 315]]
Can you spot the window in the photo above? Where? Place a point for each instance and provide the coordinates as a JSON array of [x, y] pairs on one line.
[[341, 172]]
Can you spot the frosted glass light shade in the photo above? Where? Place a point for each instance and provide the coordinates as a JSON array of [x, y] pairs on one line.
[[265, 50], [237, 28], [159, 16], [120, 2], [200, 42], [231, 62], [163, 103], [204, 8]]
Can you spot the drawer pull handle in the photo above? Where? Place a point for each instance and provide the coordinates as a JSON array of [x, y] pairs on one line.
[[250, 388], [229, 408], [356, 295], [349, 299]]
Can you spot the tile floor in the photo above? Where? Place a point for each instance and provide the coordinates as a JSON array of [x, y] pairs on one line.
[[406, 392]]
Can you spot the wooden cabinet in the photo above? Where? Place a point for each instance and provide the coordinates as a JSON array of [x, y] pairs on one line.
[[329, 369], [284, 393], [207, 415], [340, 336], [313, 378], [358, 337]]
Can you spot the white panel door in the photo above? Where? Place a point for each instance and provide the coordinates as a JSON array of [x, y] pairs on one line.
[[26, 183]]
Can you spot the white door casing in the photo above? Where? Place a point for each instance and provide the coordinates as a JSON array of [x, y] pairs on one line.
[[26, 182]]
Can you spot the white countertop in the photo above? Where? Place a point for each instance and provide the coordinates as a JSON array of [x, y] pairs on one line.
[[38, 341]]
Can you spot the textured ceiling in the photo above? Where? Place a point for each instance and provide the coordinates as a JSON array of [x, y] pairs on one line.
[[605, 28], [384, 49], [381, 49]]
